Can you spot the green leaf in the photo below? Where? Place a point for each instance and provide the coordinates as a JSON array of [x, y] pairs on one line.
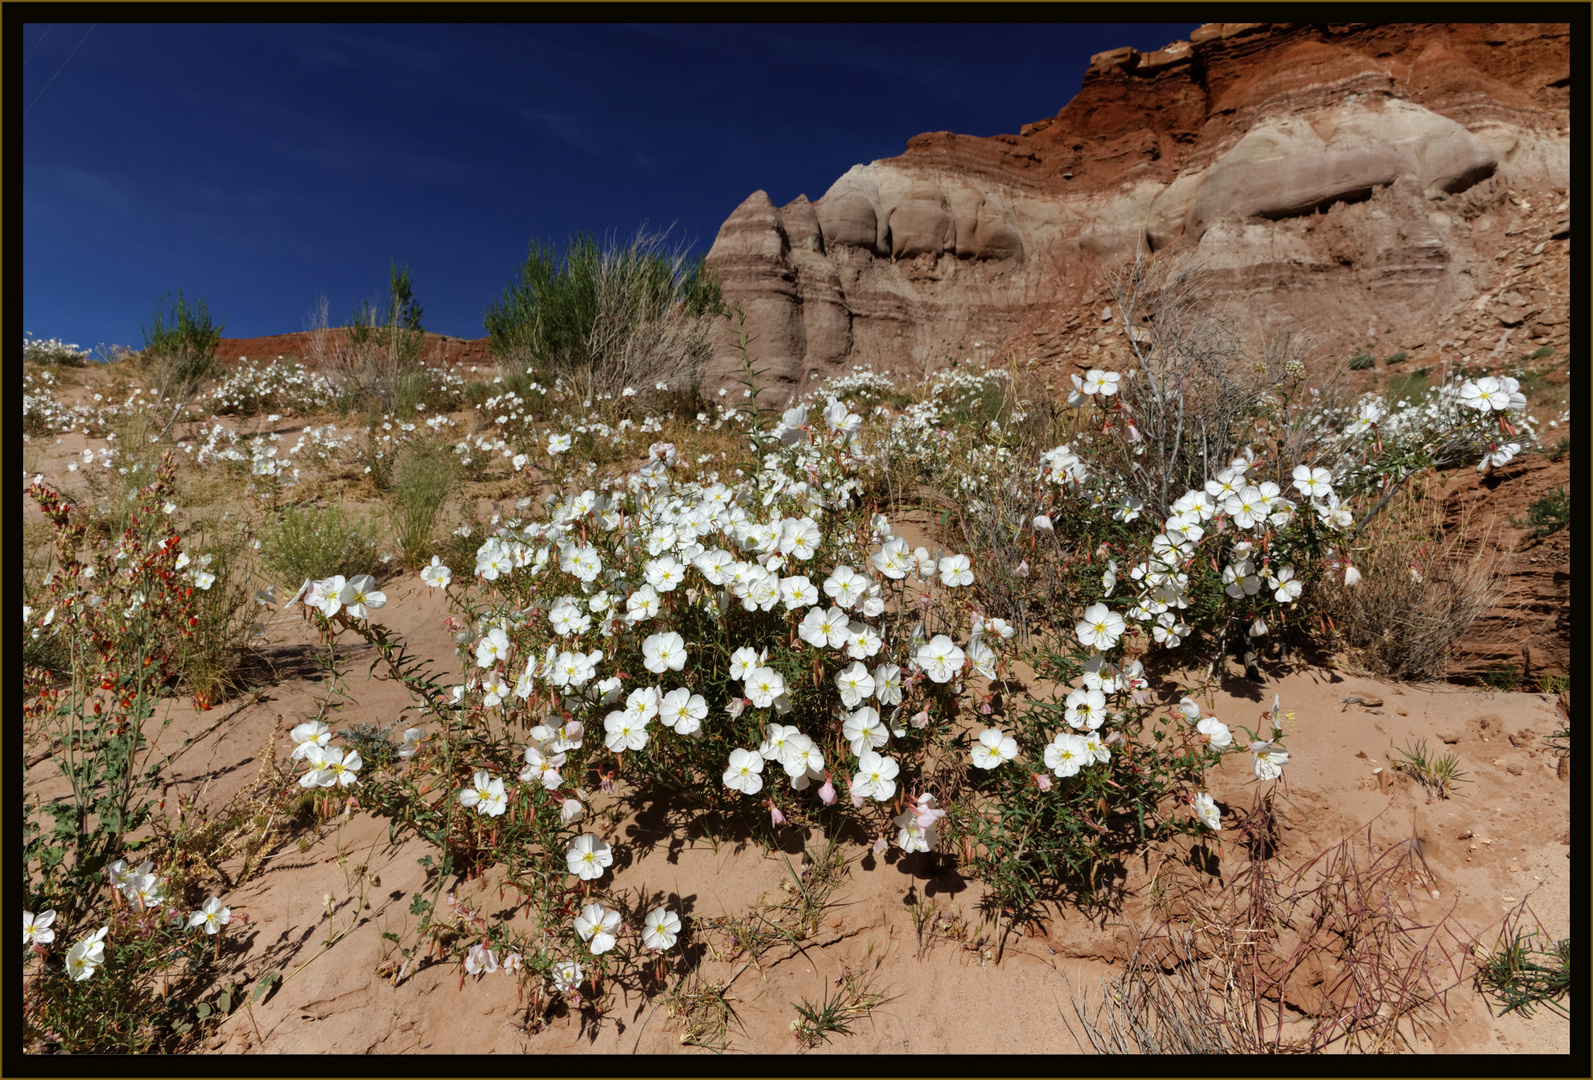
[[203, 1009], [268, 980], [418, 905]]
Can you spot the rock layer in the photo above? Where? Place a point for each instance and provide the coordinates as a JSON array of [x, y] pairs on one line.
[[1343, 181]]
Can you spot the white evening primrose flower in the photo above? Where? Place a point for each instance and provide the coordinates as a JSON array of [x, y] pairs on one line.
[[862, 641], [486, 794], [1312, 483], [743, 773], [773, 747], [571, 811], [664, 652], [1287, 587], [803, 761], [855, 684], [1100, 628], [641, 605], [596, 925], [800, 538], [558, 444], [1270, 759], [864, 730], [660, 929], [1066, 754], [326, 595], [888, 684], [682, 711], [625, 731], [764, 685], [798, 592], [312, 733], [492, 648], [36, 928], [894, 559], [1216, 731], [983, 658], [1206, 810], [1189, 709], [84, 958], [845, 586], [875, 777], [995, 747], [413, 737], [567, 975], [1095, 747], [479, 959], [955, 571], [203, 579], [211, 915], [743, 662], [436, 575], [587, 857], [361, 597], [664, 573], [340, 769], [1085, 708], [940, 659]]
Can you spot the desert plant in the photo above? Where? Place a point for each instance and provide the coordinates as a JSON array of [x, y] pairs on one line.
[[1362, 362], [374, 359], [1438, 775], [1521, 975], [1396, 358], [853, 998], [607, 318], [52, 351], [1547, 515], [179, 354], [308, 543], [422, 484]]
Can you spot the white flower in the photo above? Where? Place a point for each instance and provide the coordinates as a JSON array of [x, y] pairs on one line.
[[862, 641], [627, 730], [596, 925], [1312, 483], [558, 444], [486, 794], [436, 575], [855, 684], [798, 592], [84, 958], [800, 538], [940, 659], [567, 975], [845, 586], [864, 731], [995, 747], [479, 959], [894, 559], [211, 915], [764, 685], [744, 661], [983, 658], [660, 929], [1100, 628], [875, 777], [1206, 810], [571, 810], [312, 733], [1085, 708], [642, 604], [1101, 382], [492, 648], [1485, 395], [888, 684], [682, 711], [360, 596], [954, 571], [1270, 759], [36, 928], [1066, 754], [1287, 588], [586, 857], [325, 595], [1216, 731], [664, 652], [743, 773], [664, 573], [1095, 747]]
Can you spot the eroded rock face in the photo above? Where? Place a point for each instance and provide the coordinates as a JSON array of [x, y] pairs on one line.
[[1332, 177]]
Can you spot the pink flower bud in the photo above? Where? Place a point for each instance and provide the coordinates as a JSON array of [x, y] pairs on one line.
[[1043, 781], [920, 718], [879, 846], [775, 815], [1023, 568], [827, 792]]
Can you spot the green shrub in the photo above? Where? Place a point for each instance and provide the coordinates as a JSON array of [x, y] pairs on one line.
[[424, 478], [1520, 975], [309, 543], [1548, 515], [179, 354], [607, 318], [1396, 358], [1362, 361], [1542, 352]]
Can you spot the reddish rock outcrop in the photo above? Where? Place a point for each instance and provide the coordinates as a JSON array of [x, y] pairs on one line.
[[1347, 182]]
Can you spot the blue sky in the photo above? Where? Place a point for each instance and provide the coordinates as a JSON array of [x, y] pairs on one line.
[[264, 167]]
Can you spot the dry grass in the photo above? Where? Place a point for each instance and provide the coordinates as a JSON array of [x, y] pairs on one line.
[[1334, 955], [1421, 590]]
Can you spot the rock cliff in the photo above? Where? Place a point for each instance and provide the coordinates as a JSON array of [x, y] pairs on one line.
[[1377, 188]]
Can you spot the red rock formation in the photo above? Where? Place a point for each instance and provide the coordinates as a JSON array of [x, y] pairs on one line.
[[1343, 181]]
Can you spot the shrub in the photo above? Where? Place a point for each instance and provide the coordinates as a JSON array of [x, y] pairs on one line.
[[1547, 515], [179, 354], [1396, 358], [424, 480], [375, 359], [52, 352], [1521, 975], [308, 543], [1362, 362], [607, 318]]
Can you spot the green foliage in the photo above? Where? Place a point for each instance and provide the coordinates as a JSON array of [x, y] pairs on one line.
[[308, 543], [181, 331], [1438, 775], [424, 478], [1521, 976], [1362, 361], [609, 317], [398, 322], [1561, 448], [1396, 358], [1542, 352], [1547, 515]]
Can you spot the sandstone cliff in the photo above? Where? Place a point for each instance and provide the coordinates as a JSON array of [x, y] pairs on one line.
[[1376, 187]]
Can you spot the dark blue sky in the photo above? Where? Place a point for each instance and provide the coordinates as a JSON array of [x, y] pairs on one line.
[[262, 167]]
